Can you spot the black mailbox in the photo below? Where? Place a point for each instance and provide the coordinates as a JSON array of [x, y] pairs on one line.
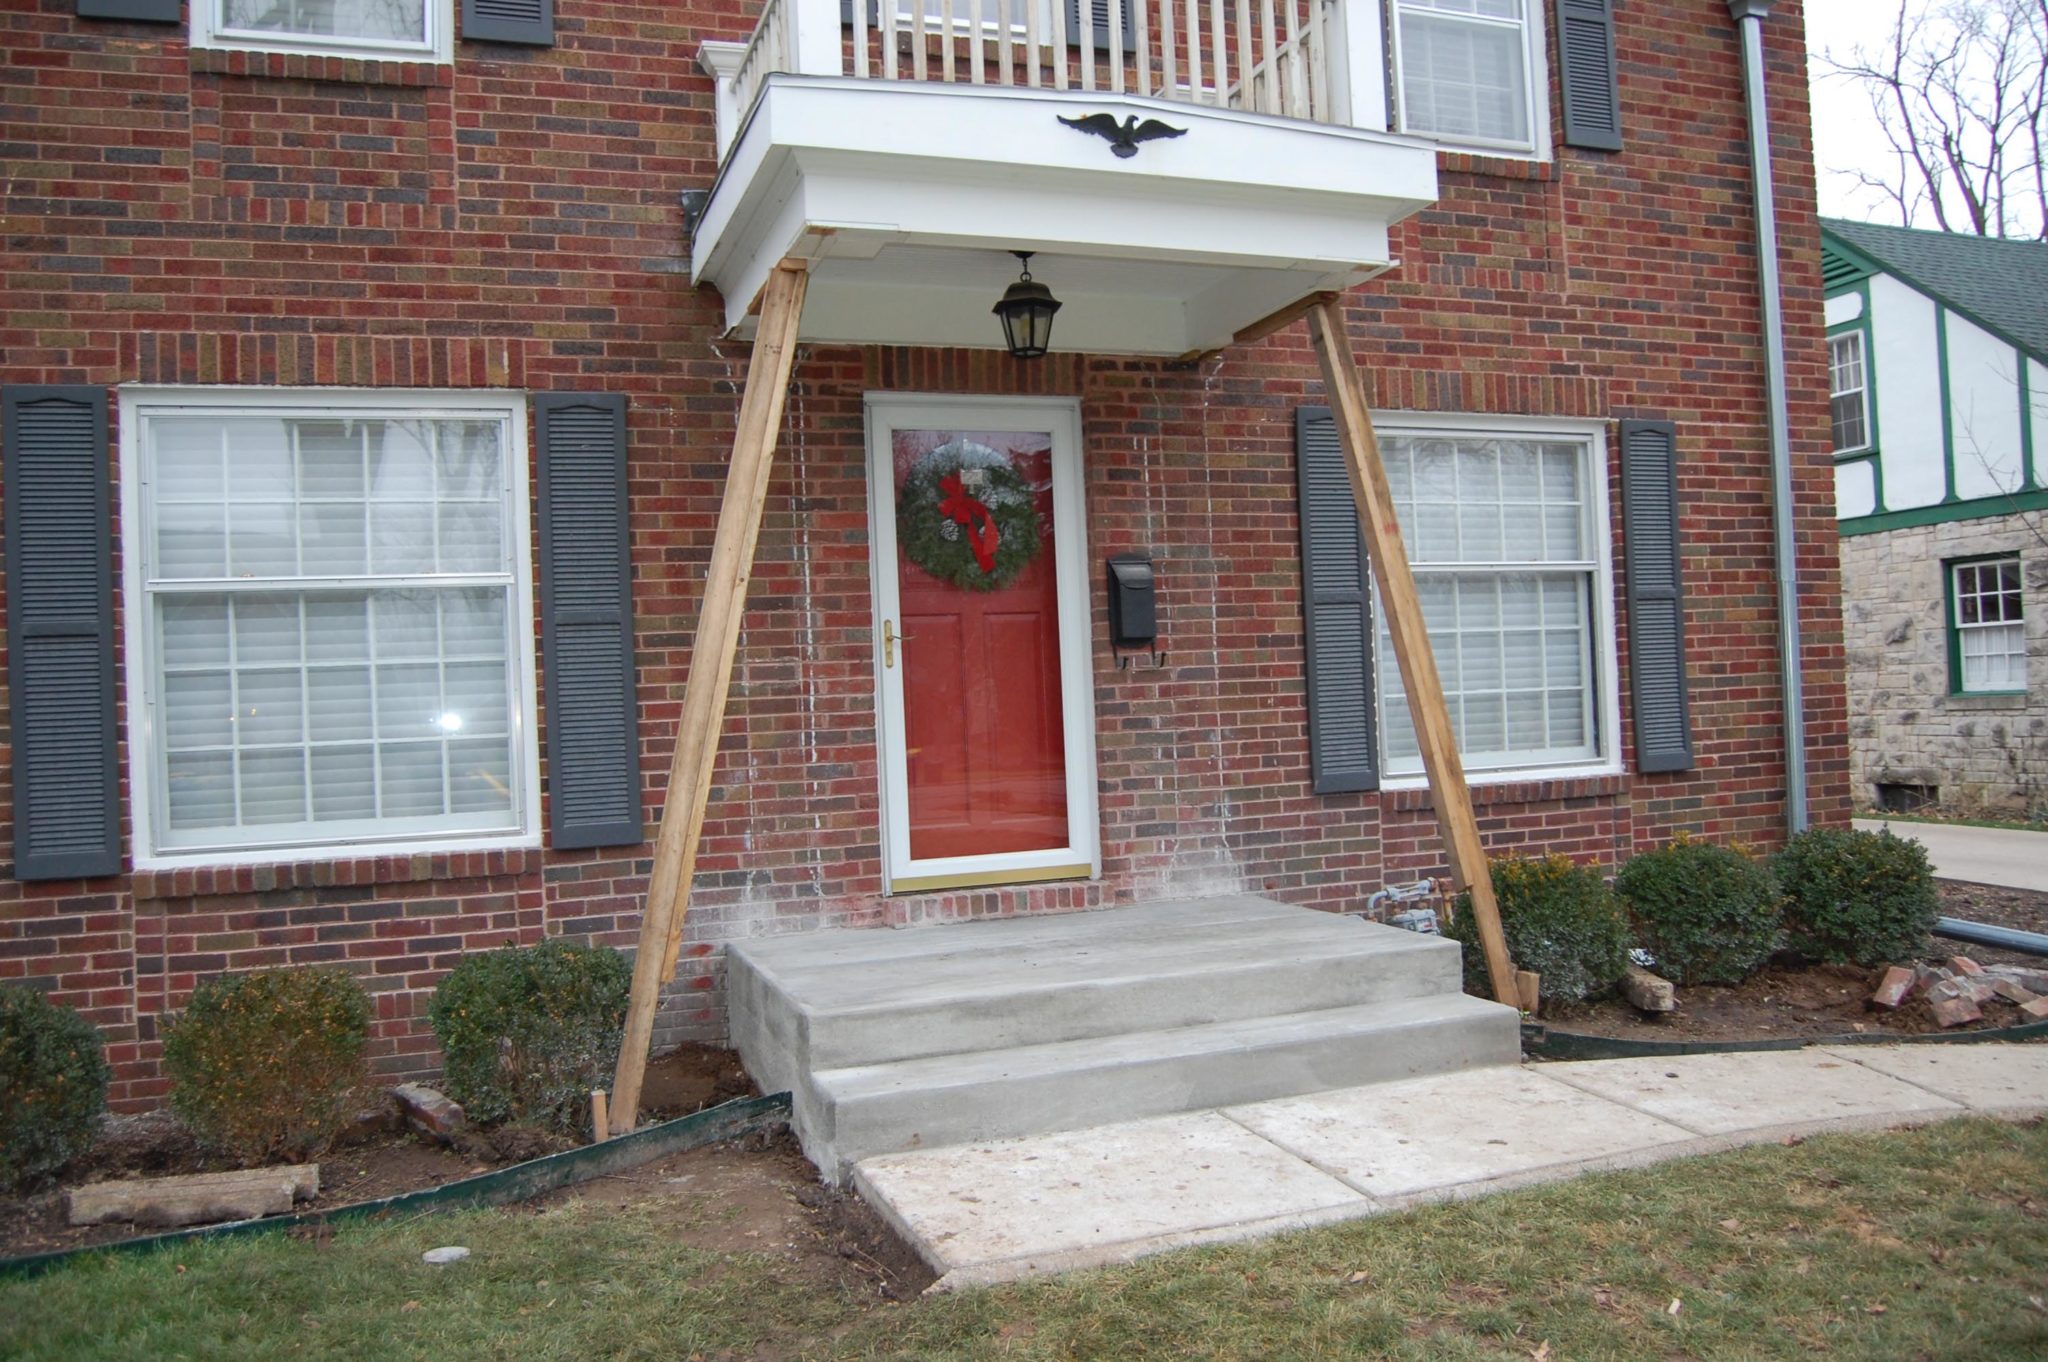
[[1133, 614]]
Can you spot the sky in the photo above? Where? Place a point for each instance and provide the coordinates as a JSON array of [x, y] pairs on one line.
[[1845, 132]]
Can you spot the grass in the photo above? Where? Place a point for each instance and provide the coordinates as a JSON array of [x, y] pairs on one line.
[[1921, 1244]]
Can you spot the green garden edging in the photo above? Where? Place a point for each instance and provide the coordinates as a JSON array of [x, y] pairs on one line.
[[516, 1183], [1540, 1042]]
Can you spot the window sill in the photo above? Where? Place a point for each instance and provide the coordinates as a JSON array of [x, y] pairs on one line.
[[201, 881], [1505, 165], [336, 70], [1418, 799], [1986, 699]]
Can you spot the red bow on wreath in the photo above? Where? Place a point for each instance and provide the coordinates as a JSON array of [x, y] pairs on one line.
[[966, 510]]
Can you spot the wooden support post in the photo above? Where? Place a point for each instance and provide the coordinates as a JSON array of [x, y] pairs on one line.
[[711, 659], [600, 1117], [1455, 820]]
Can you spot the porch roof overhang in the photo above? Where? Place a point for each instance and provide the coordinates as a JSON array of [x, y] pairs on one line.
[[907, 199]]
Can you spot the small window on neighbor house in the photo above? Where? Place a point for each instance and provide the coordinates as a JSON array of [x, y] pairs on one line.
[[1463, 71], [1848, 391], [1990, 631], [415, 30]]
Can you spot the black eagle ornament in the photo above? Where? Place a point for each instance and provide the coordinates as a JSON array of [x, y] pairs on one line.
[[1123, 138]]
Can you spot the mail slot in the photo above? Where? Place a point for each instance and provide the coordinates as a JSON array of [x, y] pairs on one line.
[[1133, 614]]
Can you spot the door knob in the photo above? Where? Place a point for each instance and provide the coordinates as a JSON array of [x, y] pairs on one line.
[[888, 643]]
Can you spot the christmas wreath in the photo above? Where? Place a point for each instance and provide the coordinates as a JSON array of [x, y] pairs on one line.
[[966, 516]]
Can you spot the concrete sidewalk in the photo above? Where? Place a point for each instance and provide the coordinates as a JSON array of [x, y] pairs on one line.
[[2012, 857], [1005, 1209]]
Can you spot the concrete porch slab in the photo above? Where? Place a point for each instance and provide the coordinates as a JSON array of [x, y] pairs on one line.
[[1000, 1210], [1764, 1094], [2007, 1080], [1015, 1207], [1478, 1131]]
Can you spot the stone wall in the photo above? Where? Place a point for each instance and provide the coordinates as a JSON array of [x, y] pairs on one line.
[[1982, 752]]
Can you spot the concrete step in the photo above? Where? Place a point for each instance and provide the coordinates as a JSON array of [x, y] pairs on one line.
[[846, 999], [844, 1115]]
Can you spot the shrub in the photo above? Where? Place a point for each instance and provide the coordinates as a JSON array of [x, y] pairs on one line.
[[1862, 898], [1709, 914], [527, 1032], [270, 1065], [53, 1086], [1560, 919]]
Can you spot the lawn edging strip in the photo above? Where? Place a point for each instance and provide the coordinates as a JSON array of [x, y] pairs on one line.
[[495, 1188], [1541, 1042]]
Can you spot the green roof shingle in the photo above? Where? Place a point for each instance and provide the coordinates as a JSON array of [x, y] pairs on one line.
[[2002, 283]]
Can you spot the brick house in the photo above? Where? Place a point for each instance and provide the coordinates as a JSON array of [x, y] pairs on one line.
[[372, 369], [1938, 362]]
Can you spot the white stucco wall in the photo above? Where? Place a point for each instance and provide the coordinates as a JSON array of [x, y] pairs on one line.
[[1906, 361], [1984, 409]]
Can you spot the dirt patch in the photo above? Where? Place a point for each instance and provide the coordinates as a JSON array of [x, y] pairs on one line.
[[760, 1195], [1794, 1004], [377, 1160]]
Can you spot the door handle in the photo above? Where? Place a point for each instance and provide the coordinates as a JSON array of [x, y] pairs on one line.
[[888, 643]]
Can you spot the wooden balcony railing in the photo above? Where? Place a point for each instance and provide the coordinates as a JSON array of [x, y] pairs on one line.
[[1262, 56]]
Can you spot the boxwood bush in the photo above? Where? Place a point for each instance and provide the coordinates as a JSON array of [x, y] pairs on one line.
[[527, 1032], [1560, 919], [53, 1086], [270, 1065], [1711, 915], [1860, 898]]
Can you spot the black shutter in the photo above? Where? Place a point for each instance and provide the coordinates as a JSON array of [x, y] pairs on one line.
[[1336, 597], [586, 621], [1099, 12], [139, 11], [531, 22], [1656, 597], [1585, 58], [60, 623]]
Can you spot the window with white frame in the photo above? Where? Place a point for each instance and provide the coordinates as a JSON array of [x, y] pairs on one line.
[[411, 30], [1467, 71], [329, 620], [1848, 390], [1505, 536], [1990, 625]]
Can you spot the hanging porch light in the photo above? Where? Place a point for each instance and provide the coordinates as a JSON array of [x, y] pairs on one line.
[[1026, 311]]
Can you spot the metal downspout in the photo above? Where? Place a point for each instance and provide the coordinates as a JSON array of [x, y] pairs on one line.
[[1749, 17]]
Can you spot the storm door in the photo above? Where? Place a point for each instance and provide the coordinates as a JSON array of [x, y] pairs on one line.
[[981, 641]]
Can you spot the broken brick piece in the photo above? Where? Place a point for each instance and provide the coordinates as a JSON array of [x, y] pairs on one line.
[[1898, 981], [432, 1112], [1963, 964], [1956, 1011], [2012, 991], [2036, 1010]]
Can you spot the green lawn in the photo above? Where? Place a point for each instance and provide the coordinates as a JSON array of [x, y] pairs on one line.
[[1922, 1244]]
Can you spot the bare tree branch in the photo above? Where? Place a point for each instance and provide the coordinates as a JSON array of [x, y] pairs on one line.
[[1959, 89]]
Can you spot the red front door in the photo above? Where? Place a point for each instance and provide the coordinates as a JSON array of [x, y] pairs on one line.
[[978, 594]]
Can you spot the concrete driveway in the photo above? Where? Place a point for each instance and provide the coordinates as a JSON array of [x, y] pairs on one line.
[[2011, 857]]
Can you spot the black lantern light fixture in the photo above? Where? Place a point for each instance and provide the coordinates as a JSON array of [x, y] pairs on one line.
[[1026, 310]]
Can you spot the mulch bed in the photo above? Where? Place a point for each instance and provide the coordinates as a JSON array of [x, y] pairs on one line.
[[1823, 1000], [379, 1159]]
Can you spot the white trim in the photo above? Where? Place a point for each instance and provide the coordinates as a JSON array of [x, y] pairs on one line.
[[1536, 93], [138, 402], [885, 414], [438, 46], [1606, 653]]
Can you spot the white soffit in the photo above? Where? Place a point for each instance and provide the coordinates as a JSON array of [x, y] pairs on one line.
[[891, 190]]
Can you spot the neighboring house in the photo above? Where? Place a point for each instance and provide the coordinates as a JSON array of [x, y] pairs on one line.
[[1939, 360], [372, 371]]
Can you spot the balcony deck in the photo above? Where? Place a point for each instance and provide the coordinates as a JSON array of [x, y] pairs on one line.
[[908, 195]]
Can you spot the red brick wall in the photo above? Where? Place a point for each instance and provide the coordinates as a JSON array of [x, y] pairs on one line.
[[513, 222]]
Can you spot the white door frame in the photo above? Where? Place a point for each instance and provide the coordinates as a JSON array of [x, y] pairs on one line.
[[1082, 856]]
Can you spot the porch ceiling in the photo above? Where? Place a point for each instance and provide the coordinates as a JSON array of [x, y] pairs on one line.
[[908, 198]]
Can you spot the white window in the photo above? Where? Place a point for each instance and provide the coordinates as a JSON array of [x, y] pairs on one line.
[[1469, 71], [329, 621], [1848, 391], [1991, 630], [406, 30], [1506, 532]]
